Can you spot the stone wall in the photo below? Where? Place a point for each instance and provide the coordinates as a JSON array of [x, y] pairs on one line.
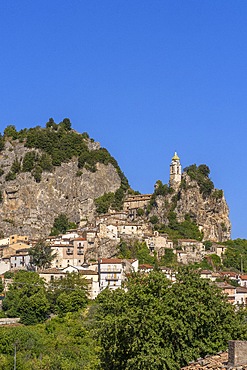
[[237, 353]]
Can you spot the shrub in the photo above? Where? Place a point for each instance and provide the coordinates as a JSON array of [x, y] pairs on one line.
[[140, 212], [200, 175], [154, 219]]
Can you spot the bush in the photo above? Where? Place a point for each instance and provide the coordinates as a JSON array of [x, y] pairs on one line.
[[29, 161], [1, 142], [62, 224], [218, 194], [140, 212], [154, 219], [10, 176], [200, 175], [10, 132], [60, 144]]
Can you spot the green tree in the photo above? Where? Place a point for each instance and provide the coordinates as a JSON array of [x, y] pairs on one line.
[[51, 124], [169, 259], [1, 142], [42, 254], [235, 256], [158, 325], [154, 219], [201, 175], [59, 343], [62, 224], [28, 162], [68, 294], [140, 212], [104, 202], [66, 124], [10, 132], [26, 298], [37, 173]]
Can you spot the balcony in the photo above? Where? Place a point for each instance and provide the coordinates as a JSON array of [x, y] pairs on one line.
[[80, 252], [116, 270], [69, 252], [111, 278]]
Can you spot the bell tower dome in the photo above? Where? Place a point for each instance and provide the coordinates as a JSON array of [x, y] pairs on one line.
[[175, 172]]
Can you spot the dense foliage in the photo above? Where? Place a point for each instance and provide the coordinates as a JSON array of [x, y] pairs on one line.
[[29, 298], [59, 344], [152, 325], [1, 142], [110, 200], [138, 250], [68, 294], [42, 254], [26, 298], [180, 230], [201, 175], [156, 325], [235, 256], [59, 143], [62, 224]]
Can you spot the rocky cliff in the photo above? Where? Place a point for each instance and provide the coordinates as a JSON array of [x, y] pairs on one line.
[[209, 211], [30, 207]]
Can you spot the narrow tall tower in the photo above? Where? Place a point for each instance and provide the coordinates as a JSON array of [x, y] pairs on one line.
[[175, 172]]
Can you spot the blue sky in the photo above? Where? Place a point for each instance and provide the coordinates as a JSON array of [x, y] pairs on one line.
[[144, 78]]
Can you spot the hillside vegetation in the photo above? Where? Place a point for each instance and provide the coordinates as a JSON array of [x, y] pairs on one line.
[[56, 144]]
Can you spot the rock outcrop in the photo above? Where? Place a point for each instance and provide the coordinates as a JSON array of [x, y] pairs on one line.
[[210, 212], [29, 208]]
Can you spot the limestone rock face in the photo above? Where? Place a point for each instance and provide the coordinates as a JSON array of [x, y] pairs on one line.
[[211, 213], [29, 208]]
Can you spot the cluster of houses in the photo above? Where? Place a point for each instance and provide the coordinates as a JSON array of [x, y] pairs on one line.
[[88, 251], [235, 294]]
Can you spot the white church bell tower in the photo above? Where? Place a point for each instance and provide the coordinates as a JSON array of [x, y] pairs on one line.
[[175, 172]]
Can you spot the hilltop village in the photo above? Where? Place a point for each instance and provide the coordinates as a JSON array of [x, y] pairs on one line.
[[93, 249]]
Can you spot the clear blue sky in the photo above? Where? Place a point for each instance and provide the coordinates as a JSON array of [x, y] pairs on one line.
[[145, 78]]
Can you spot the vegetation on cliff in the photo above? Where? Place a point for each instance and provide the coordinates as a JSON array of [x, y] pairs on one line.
[[60, 143], [176, 230], [201, 175]]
